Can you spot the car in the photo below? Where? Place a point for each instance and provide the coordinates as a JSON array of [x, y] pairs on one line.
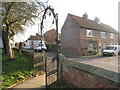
[[112, 50], [39, 46], [27, 47]]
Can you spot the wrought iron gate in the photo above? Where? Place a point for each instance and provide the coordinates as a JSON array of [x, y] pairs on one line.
[[51, 59]]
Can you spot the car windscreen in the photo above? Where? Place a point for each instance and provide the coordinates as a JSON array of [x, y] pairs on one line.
[[110, 47], [40, 44]]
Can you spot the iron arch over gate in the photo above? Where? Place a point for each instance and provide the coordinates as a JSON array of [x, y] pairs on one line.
[[53, 73]]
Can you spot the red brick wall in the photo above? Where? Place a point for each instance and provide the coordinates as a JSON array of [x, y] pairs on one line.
[[84, 40], [82, 79], [70, 37], [81, 75]]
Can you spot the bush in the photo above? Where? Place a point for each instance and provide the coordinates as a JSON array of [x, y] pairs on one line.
[[93, 51]]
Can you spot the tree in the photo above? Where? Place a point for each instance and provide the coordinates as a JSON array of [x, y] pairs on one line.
[[15, 16]]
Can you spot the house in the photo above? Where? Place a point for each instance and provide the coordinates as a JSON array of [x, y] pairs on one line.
[[80, 35], [30, 41], [50, 36]]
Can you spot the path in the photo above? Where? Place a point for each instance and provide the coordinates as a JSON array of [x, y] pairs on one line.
[[36, 82]]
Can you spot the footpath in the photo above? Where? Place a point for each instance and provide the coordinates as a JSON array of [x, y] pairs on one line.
[[34, 83]]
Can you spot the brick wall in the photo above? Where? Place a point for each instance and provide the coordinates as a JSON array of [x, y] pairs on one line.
[[86, 76], [70, 37], [97, 36], [84, 40]]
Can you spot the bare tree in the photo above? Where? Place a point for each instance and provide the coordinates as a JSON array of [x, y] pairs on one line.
[[15, 16]]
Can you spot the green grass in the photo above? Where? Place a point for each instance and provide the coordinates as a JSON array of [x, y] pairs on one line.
[[15, 71]]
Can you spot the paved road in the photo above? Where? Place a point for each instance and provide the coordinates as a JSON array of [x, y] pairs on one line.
[[107, 62]]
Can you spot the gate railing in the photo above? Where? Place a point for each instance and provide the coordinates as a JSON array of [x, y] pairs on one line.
[[38, 63], [50, 70]]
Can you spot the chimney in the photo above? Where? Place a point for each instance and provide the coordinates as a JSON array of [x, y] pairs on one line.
[[37, 34], [85, 16], [97, 20]]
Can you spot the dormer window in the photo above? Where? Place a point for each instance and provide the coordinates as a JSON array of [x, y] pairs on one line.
[[89, 33]]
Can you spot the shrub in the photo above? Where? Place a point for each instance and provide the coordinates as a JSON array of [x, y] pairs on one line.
[[82, 49], [93, 51]]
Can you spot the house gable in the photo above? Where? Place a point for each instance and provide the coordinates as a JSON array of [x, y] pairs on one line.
[[70, 35]]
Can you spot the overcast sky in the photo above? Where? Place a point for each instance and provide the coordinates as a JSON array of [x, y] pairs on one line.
[[105, 10]]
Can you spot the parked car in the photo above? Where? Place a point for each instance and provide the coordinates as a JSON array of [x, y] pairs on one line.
[[112, 50], [39, 46], [27, 47]]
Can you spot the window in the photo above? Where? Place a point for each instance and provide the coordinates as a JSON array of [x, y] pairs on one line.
[[111, 35], [103, 34], [89, 33], [90, 46], [104, 45]]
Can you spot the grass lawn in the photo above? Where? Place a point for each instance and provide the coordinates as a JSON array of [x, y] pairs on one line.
[[15, 71]]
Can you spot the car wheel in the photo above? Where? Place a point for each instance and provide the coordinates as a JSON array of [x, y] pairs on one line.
[[113, 54], [103, 54], [44, 50], [119, 53], [35, 50]]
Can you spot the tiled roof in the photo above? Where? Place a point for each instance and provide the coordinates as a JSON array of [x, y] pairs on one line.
[[90, 24], [37, 37]]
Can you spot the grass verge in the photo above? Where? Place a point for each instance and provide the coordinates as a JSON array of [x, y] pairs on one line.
[[17, 70]]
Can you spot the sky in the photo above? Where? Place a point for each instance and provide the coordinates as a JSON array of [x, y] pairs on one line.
[[105, 10]]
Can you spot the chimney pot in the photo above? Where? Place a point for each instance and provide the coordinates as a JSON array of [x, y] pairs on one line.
[[85, 16]]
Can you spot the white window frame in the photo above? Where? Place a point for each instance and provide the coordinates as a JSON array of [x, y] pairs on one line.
[[111, 35], [103, 34], [89, 33], [104, 45], [90, 46]]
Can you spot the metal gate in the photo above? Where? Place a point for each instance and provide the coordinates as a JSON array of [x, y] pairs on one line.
[[51, 58]]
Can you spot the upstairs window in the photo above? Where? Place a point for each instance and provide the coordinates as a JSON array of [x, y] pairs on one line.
[[111, 35], [89, 33], [103, 34]]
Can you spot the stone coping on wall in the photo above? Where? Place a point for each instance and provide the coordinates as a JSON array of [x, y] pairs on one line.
[[103, 73]]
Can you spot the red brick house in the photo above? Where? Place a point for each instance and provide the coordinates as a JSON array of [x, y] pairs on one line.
[[79, 35], [50, 36]]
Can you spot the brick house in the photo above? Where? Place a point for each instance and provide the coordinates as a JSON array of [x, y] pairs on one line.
[[79, 35], [50, 36]]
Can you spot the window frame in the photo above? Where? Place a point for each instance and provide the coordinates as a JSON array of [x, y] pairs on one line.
[[90, 46], [104, 45], [103, 36], [89, 35], [111, 35]]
